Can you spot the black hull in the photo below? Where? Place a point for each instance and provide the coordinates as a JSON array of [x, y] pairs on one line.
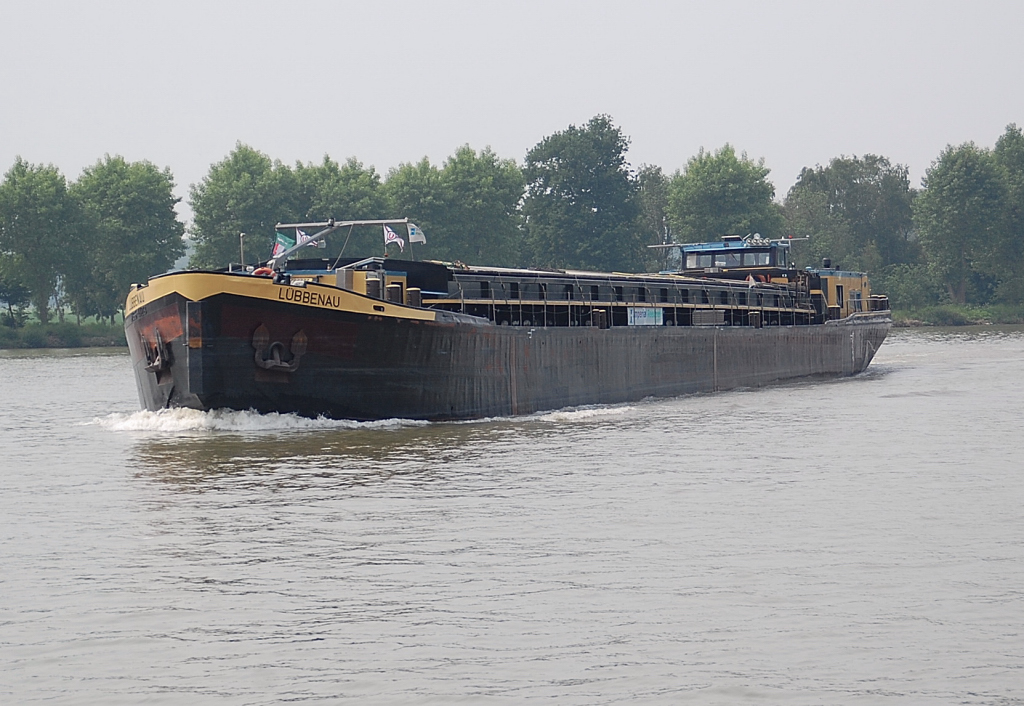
[[365, 367]]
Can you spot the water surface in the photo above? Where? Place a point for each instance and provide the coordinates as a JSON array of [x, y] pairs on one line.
[[854, 541]]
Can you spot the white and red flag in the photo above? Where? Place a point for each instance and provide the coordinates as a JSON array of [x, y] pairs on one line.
[[391, 236]]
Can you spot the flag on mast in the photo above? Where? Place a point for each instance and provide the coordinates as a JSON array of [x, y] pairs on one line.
[[391, 236], [301, 237], [282, 243], [416, 234]]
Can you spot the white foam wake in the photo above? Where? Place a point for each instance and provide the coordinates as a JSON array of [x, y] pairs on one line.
[[581, 414], [221, 420]]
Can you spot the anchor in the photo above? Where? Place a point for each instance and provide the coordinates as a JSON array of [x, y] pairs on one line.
[[270, 356], [158, 355]]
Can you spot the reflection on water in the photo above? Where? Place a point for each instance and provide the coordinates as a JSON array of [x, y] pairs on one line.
[[347, 457], [192, 448]]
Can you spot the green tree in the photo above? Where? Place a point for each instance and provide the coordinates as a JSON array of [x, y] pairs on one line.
[[908, 286], [418, 192], [468, 208], [39, 225], [807, 213], [244, 193], [1009, 155], [864, 210], [13, 293], [483, 194], [719, 193], [137, 232], [580, 207], [653, 220], [960, 215], [81, 287], [347, 191]]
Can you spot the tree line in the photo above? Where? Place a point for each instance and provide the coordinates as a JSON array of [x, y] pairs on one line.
[[80, 245], [573, 202]]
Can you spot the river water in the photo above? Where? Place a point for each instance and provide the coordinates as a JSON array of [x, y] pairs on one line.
[[854, 541]]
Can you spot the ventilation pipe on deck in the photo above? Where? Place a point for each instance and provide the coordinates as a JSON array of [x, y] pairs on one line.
[[345, 279]]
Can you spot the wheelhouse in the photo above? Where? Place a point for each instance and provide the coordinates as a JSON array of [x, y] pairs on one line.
[[735, 252]]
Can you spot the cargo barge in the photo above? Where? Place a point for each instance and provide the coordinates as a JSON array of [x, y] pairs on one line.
[[381, 337]]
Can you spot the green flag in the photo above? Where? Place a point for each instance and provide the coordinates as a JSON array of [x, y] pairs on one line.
[[282, 244]]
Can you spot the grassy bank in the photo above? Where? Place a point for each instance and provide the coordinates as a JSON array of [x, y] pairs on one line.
[[66, 335], [960, 315]]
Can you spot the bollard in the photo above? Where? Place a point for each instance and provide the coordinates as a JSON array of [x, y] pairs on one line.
[[373, 287]]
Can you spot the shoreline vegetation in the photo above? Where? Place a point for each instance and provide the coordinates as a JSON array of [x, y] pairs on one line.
[[111, 335], [946, 254], [960, 315], [63, 335]]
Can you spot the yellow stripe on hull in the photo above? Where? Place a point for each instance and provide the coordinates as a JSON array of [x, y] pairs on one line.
[[196, 286]]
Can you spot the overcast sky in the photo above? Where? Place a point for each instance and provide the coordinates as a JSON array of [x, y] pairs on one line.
[[797, 83]]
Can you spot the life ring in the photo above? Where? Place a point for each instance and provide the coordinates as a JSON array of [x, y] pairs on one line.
[[262, 272]]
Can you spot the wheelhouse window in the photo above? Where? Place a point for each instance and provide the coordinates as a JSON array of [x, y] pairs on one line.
[[755, 259], [698, 260], [728, 259]]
